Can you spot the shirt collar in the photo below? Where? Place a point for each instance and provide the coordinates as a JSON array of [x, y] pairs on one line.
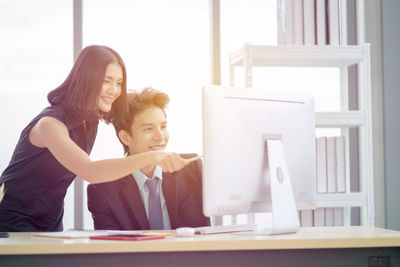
[[141, 178]]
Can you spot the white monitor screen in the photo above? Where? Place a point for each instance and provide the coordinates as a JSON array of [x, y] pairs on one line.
[[235, 123]]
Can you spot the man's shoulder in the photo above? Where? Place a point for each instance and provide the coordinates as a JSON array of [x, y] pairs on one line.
[[109, 186]]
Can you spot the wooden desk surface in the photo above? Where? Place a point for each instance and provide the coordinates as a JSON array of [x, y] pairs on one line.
[[306, 238]]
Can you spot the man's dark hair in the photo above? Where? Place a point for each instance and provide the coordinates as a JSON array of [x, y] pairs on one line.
[[80, 91], [137, 102]]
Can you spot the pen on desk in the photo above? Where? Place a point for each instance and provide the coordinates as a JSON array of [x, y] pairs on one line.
[[1, 192], [4, 234]]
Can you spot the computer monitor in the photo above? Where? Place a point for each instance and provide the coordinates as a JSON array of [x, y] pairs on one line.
[[259, 154]]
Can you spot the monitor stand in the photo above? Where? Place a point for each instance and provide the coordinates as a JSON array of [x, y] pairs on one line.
[[285, 217]]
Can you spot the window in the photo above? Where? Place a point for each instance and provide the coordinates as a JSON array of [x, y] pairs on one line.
[[36, 56], [165, 45]]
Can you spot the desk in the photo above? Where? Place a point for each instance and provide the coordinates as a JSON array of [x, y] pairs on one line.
[[318, 246]]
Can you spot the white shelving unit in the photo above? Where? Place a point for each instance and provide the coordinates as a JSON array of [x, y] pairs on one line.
[[342, 57]]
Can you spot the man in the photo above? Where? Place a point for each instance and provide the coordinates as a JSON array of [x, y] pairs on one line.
[[149, 198]]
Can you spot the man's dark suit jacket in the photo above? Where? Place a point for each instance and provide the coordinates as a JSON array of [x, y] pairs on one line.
[[118, 204]]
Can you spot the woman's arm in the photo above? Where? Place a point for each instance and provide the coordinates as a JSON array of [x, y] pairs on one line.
[[51, 133]]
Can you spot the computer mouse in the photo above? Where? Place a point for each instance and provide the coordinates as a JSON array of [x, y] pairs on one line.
[[185, 231]]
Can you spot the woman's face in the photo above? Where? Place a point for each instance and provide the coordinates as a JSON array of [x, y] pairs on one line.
[[111, 88]]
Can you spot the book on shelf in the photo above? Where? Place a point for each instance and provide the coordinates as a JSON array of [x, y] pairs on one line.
[[306, 218], [333, 21], [342, 22], [329, 217], [319, 213], [331, 165], [285, 21], [340, 164], [321, 164], [340, 177], [289, 21], [320, 18], [298, 22], [319, 217], [331, 177], [309, 22], [338, 216], [281, 22]]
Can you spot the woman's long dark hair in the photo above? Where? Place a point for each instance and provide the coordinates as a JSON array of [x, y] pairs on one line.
[[80, 91]]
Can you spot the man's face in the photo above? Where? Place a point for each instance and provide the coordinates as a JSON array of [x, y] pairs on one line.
[[149, 131]]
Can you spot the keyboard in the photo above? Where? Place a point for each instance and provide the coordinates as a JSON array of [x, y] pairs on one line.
[[218, 229]]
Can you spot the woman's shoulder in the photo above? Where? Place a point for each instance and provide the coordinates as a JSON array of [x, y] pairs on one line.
[[61, 114], [50, 111], [53, 111]]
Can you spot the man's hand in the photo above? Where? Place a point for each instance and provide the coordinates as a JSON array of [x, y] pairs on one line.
[[187, 161]]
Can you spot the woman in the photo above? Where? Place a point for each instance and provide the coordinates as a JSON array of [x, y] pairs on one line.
[[54, 147]]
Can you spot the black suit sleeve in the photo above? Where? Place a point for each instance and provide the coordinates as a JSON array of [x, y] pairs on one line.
[[102, 217]]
